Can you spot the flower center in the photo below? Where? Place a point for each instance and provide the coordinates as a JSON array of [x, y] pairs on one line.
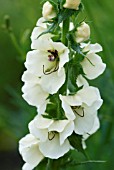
[[52, 57], [78, 110]]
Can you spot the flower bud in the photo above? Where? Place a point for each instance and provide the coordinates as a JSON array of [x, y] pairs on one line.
[[72, 4], [82, 33], [48, 11]]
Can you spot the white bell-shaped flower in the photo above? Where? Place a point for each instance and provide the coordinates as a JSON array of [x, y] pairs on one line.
[[47, 63], [72, 4], [53, 135], [92, 63], [29, 149], [48, 11], [82, 108], [83, 33]]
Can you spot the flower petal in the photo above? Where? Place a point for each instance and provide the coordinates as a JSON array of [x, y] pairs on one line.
[[30, 78], [27, 141], [63, 58], [93, 66], [55, 81], [81, 81], [41, 134], [28, 167], [68, 111], [34, 94], [96, 126], [43, 44], [35, 62], [41, 22], [91, 48], [52, 148], [83, 125], [30, 152], [58, 126], [89, 95], [42, 123], [66, 132]]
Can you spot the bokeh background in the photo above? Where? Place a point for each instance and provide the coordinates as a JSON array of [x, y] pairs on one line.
[[15, 113]]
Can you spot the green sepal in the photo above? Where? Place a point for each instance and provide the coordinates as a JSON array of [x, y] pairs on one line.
[[76, 142]]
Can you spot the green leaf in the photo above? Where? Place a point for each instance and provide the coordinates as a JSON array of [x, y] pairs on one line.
[[64, 14], [76, 141], [54, 108]]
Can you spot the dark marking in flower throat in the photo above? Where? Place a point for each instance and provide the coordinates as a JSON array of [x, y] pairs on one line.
[[76, 108], [53, 55]]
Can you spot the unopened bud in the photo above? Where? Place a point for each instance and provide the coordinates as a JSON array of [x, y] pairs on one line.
[[48, 11], [82, 33], [72, 4]]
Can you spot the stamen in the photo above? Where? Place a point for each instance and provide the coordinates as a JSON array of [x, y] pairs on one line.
[[51, 71], [51, 135], [75, 111]]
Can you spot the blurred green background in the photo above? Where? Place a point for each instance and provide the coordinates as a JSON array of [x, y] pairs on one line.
[[15, 113]]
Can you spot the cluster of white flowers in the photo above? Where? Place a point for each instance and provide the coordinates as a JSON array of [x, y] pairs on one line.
[[44, 77]]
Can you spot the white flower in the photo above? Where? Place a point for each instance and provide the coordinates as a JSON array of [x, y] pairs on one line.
[[41, 27], [47, 63], [82, 108], [48, 11], [72, 4], [53, 135], [29, 149], [32, 91], [83, 33], [92, 63]]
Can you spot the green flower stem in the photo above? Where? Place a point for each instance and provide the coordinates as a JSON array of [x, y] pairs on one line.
[[65, 30], [16, 45]]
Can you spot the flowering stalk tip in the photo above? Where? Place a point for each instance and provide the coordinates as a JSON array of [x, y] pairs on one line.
[[61, 61]]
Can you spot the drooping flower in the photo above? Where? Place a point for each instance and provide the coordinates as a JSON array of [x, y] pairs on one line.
[[48, 11], [47, 63], [53, 135], [29, 149], [83, 33], [92, 63], [82, 108], [72, 4], [33, 92]]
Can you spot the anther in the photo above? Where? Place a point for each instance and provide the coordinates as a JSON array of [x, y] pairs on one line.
[[51, 71]]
